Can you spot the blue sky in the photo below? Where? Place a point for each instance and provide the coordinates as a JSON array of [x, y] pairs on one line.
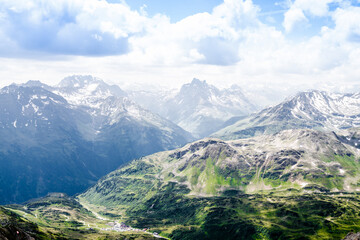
[[287, 44], [271, 12], [175, 9]]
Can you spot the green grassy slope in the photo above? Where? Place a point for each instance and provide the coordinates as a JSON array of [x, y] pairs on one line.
[[58, 216], [298, 184]]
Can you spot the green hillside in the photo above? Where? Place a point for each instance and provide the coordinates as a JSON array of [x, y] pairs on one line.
[[297, 184]]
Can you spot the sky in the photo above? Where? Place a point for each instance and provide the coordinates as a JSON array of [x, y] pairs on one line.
[[284, 45]]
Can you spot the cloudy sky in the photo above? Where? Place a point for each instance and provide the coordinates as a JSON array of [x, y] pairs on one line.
[[291, 44]]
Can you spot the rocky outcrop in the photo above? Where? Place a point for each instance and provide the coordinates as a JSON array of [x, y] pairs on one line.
[[352, 236]]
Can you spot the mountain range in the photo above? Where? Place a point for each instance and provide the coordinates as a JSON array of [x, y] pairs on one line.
[[296, 184], [64, 138], [290, 171], [198, 107], [312, 110]]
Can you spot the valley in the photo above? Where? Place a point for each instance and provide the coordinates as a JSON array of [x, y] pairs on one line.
[[291, 171], [180, 120], [58, 216]]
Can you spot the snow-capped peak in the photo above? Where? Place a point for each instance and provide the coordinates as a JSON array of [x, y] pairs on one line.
[[79, 81], [310, 109], [87, 90], [333, 104]]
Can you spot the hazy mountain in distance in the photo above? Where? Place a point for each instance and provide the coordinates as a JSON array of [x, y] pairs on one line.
[[116, 117], [198, 107], [312, 109], [63, 138], [41, 148]]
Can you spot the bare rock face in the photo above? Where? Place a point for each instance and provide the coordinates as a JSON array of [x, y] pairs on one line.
[[352, 236]]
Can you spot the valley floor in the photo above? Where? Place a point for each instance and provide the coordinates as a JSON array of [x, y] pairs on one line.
[[307, 216]]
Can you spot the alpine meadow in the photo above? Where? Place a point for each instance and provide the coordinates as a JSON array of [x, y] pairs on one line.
[[181, 120]]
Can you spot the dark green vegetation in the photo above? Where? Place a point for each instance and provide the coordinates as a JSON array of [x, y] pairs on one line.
[[57, 216], [315, 216], [298, 184], [177, 216], [12, 226], [239, 216]]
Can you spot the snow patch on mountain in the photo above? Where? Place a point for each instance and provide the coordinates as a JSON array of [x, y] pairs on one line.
[[311, 109]]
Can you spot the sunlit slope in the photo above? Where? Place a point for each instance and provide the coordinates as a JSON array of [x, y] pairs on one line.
[[307, 181], [58, 216], [304, 160]]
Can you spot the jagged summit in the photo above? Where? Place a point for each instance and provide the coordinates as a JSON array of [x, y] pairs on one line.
[[198, 107], [197, 92], [79, 81], [310, 109], [35, 83], [196, 83], [331, 110], [87, 90], [30, 107]]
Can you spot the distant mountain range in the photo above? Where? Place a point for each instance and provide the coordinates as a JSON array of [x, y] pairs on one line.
[[287, 172], [312, 109], [63, 138], [197, 107]]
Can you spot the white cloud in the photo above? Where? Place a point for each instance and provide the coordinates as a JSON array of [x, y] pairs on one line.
[[228, 45], [70, 27], [96, 27], [319, 8], [299, 8], [215, 36], [347, 24], [292, 17]]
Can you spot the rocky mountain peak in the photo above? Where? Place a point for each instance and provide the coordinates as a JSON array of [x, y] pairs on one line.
[[72, 134], [35, 83], [87, 90], [197, 88], [198, 82], [198, 107], [311, 109], [79, 81]]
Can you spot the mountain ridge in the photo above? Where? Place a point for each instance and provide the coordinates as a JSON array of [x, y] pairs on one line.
[[198, 107], [312, 109], [210, 166], [73, 143]]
